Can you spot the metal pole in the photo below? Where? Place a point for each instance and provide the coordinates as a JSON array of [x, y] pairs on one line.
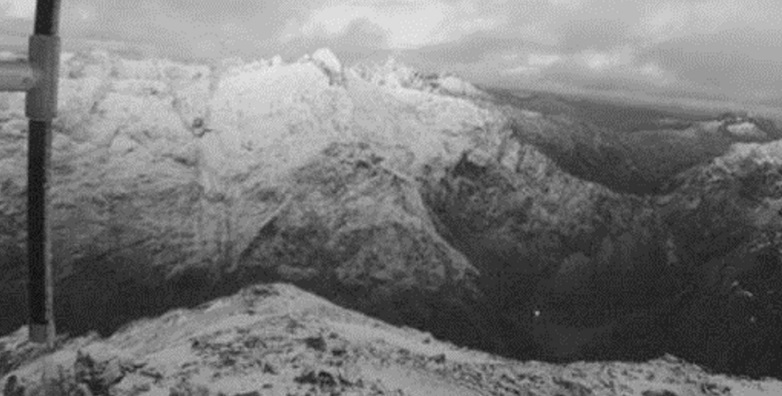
[[41, 108], [39, 77]]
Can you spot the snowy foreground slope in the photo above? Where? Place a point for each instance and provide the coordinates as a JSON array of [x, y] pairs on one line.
[[279, 340], [417, 200]]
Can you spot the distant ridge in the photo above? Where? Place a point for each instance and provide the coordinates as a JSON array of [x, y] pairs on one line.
[[692, 106]]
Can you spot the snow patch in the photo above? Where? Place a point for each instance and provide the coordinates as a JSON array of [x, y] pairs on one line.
[[746, 130], [326, 59], [360, 333]]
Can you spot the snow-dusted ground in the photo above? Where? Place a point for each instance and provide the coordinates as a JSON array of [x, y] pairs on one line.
[[280, 340]]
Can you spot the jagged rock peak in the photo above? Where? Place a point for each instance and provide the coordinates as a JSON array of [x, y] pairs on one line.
[[327, 59], [330, 64]]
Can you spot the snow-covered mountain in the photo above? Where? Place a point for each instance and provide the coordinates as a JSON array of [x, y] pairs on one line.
[[419, 200]]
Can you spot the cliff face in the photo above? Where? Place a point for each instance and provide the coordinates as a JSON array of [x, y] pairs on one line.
[[727, 217], [419, 200]]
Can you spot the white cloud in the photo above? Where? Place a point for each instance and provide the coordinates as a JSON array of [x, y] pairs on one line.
[[334, 20], [655, 74], [84, 12], [18, 8], [407, 23], [537, 31], [665, 21], [651, 70], [523, 71], [534, 66], [290, 31], [405, 27], [567, 4], [542, 60], [590, 65], [600, 61]]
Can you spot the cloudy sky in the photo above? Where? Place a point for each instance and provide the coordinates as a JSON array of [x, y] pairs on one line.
[[726, 49]]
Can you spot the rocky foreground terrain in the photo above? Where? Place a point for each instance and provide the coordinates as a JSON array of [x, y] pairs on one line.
[[279, 340], [512, 224]]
